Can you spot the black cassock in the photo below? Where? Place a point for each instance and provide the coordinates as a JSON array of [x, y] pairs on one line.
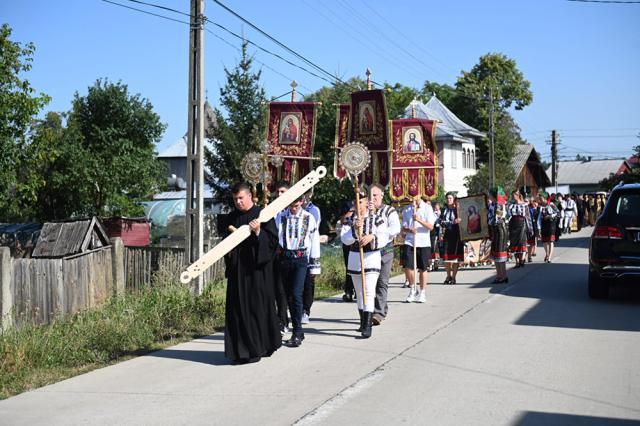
[[251, 325]]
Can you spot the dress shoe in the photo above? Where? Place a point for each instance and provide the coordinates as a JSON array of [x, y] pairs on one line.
[[294, 341]]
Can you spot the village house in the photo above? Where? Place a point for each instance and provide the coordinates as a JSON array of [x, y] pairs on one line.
[[585, 176], [530, 174], [456, 143]]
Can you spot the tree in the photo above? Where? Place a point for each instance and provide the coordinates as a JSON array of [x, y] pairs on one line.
[[241, 130], [117, 135], [444, 92], [18, 106], [397, 98], [52, 170], [607, 184]]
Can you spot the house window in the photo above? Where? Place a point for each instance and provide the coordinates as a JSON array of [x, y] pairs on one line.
[[473, 160], [468, 159], [454, 159]]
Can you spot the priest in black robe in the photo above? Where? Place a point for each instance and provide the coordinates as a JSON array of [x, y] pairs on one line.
[[251, 325]]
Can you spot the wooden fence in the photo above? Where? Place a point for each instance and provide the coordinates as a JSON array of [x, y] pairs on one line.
[[44, 289], [165, 264]]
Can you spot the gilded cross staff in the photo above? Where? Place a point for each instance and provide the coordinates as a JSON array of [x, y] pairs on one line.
[[369, 82], [293, 90], [354, 159]]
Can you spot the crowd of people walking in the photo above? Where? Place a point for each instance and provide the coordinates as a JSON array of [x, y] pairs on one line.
[[271, 275]]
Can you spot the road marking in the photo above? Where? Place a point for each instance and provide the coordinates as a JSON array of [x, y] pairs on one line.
[[341, 398]]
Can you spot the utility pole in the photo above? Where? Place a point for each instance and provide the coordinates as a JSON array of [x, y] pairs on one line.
[[492, 158], [194, 235], [554, 159]]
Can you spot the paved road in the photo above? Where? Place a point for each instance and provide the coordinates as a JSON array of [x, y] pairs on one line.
[[536, 351]]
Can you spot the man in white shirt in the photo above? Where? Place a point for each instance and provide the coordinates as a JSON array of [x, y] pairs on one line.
[[299, 242], [389, 215], [417, 224]]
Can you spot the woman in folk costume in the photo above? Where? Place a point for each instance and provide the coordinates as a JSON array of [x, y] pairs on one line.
[[547, 217], [532, 241], [520, 227], [373, 238], [453, 246], [498, 233]]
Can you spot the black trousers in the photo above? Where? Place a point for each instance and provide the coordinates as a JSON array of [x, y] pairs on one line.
[[308, 294], [281, 296], [348, 282]]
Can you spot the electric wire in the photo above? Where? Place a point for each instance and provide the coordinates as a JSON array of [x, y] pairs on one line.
[[279, 43], [145, 11]]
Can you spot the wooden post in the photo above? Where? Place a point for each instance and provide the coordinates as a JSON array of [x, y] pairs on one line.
[[6, 296], [117, 266], [359, 234]]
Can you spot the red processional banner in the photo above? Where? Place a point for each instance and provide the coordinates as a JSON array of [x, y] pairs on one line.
[[414, 161], [342, 137], [369, 126], [291, 134]]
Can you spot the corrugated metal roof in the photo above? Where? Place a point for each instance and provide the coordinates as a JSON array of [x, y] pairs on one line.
[[450, 125], [585, 172], [176, 149]]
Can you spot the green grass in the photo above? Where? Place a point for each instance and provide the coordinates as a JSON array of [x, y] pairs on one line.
[[136, 323]]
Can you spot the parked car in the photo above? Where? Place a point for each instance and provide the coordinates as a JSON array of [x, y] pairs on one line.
[[614, 250]]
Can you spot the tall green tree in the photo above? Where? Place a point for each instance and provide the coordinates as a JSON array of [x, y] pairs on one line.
[[118, 134], [53, 168], [495, 80], [18, 106], [497, 83], [241, 126]]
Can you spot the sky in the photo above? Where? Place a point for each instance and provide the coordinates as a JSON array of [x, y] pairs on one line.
[[582, 59]]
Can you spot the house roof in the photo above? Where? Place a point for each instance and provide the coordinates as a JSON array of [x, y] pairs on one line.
[[525, 154], [586, 172], [59, 239], [449, 126]]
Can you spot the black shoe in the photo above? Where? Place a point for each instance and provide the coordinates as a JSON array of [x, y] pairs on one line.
[[361, 312], [295, 341], [366, 332]]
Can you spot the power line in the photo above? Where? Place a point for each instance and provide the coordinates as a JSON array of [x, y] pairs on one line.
[[279, 43], [605, 1], [160, 7], [268, 51], [188, 23], [392, 26], [147, 12]]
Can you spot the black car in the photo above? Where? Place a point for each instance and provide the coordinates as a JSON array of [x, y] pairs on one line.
[[614, 251]]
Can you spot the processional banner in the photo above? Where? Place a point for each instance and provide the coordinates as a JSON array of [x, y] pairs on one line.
[[369, 126], [414, 161], [342, 137], [291, 135]]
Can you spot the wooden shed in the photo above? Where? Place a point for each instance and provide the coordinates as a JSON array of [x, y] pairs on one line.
[[530, 174], [62, 239], [134, 231]]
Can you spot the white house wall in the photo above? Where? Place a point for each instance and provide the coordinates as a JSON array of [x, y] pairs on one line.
[[453, 173]]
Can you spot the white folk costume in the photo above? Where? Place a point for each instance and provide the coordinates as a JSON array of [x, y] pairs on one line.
[[569, 212], [372, 225], [299, 252]]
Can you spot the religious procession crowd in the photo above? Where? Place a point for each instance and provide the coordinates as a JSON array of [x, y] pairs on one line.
[[271, 274]]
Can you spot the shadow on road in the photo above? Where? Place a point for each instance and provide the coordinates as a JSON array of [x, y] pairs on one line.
[[203, 357], [535, 418], [564, 302]]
